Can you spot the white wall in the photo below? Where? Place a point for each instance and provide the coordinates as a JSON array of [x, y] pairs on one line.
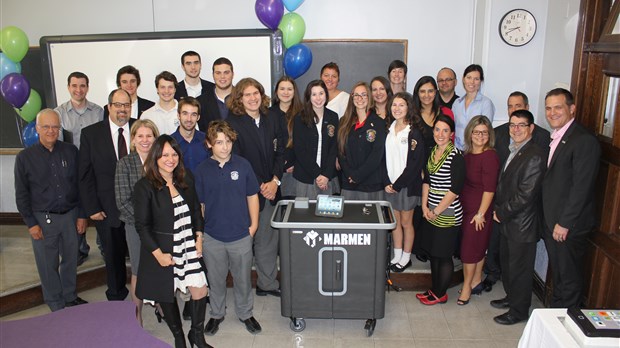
[[441, 33]]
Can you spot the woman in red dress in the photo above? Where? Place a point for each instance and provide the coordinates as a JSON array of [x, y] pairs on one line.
[[482, 169]]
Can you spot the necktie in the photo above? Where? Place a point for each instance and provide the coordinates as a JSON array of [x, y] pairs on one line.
[[122, 145]]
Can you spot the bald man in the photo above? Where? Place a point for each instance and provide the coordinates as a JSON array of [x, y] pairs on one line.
[[47, 197]]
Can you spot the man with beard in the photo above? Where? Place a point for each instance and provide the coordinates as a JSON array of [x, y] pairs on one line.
[[191, 140], [102, 145]]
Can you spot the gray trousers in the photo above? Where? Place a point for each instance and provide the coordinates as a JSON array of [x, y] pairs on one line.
[[56, 258], [266, 251], [221, 257]]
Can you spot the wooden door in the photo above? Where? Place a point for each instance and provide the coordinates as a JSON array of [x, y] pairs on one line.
[[596, 85]]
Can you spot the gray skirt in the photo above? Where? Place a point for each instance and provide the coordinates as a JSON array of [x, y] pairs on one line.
[[362, 196], [288, 185], [133, 245], [401, 202], [311, 190]]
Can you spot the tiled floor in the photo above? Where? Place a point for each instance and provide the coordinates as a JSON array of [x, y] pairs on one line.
[[407, 323], [17, 268]]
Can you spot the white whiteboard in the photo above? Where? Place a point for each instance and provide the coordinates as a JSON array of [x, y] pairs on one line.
[[254, 53]]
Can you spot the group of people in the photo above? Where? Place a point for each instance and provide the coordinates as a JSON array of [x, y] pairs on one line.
[[186, 186]]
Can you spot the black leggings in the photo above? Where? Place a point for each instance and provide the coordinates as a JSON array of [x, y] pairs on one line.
[[441, 274]]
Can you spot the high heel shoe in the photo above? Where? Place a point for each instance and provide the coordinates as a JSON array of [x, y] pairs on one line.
[[477, 290], [422, 295], [159, 316], [462, 302], [433, 299]]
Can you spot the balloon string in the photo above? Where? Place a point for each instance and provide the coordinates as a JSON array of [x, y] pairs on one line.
[[20, 129]]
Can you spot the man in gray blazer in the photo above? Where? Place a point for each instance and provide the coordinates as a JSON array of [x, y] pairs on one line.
[[518, 213], [568, 196]]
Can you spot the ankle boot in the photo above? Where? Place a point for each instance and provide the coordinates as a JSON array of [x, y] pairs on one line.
[[198, 310], [173, 319]]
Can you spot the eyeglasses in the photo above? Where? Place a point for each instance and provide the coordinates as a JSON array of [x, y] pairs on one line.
[[445, 80], [122, 105], [47, 128], [478, 133], [361, 95], [518, 125]]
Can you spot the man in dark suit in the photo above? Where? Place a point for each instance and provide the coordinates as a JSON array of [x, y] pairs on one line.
[[192, 85], [102, 144], [568, 196], [518, 215], [128, 78], [540, 136], [213, 102]]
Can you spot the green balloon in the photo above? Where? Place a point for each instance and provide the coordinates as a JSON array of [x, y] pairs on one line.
[[293, 28], [14, 43], [31, 108]]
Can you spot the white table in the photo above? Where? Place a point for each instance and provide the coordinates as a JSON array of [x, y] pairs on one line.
[[552, 328]]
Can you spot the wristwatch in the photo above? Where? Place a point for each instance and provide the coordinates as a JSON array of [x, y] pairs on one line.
[[278, 182]]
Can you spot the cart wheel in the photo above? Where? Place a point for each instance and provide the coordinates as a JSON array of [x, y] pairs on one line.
[[298, 325], [370, 326]]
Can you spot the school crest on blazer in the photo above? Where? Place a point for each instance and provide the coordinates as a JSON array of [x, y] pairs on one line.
[[371, 135], [414, 143], [331, 130]]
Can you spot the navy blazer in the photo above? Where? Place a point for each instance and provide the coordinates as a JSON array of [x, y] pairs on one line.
[[97, 170], [154, 217], [568, 186], [305, 147], [363, 156], [517, 198], [262, 146], [143, 105]]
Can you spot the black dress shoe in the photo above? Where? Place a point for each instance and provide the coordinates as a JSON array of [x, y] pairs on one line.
[[507, 319], [76, 302], [251, 325], [81, 259], [274, 292], [487, 284], [501, 303], [397, 268], [212, 326]]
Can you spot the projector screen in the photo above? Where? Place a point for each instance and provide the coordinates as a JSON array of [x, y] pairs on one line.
[[254, 53]]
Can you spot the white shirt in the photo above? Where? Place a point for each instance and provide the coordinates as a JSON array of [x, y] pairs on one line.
[[339, 103], [167, 122], [319, 126], [193, 91], [396, 149], [114, 131]]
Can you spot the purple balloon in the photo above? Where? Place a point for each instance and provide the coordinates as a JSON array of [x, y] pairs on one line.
[[269, 12], [30, 135], [297, 60], [15, 89]]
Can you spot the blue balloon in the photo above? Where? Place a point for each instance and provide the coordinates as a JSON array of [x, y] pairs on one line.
[[30, 135], [297, 60], [8, 66], [292, 5]]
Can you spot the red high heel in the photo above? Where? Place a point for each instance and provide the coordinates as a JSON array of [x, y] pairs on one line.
[[429, 302], [422, 295]]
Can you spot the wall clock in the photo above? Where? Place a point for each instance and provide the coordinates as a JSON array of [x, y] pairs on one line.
[[517, 27]]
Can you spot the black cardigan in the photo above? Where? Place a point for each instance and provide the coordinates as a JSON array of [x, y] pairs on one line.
[[411, 177]]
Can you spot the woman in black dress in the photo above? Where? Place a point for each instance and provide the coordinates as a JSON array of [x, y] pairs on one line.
[[170, 224]]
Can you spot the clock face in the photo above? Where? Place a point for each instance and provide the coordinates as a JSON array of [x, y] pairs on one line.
[[517, 27]]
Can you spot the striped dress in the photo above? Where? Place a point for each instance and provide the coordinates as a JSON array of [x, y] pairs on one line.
[[440, 179], [187, 269]]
